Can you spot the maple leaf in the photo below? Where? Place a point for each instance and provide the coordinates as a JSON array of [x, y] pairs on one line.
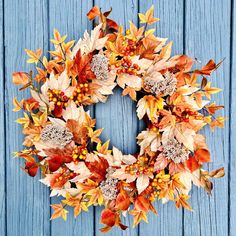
[[182, 201], [166, 51], [96, 197], [18, 105], [25, 121], [34, 56], [210, 90], [148, 17], [82, 67], [212, 108], [150, 105], [138, 216], [40, 119], [57, 38], [131, 92], [208, 68], [59, 211], [95, 134]]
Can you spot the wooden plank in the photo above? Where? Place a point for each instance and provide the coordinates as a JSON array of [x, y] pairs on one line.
[[2, 127], [118, 115], [28, 208], [232, 110], [169, 219], [69, 17], [208, 35]]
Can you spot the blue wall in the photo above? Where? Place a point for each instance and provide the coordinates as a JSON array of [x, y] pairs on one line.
[[201, 28]]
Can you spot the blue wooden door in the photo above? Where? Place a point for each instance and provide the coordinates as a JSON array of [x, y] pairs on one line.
[[202, 29]]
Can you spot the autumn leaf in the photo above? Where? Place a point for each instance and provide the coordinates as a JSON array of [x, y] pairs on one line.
[[93, 13], [108, 217], [96, 197], [210, 90], [182, 201], [166, 51], [95, 134], [131, 92], [148, 18], [192, 164], [138, 216], [18, 105], [34, 56], [217, 173], [213, 108], [59, 211], [21, 78], [208, 68], [25, 121], [57, 38], [202, 155], [122, 201]]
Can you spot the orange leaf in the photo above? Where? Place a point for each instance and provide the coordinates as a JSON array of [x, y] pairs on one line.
[[122, 201], [142, 204], [93, 13], [192, 164], [202, 155], [20, 78], [108, 217]]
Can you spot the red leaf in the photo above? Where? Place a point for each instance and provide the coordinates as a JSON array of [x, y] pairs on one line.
[[122, 201], [82, 67], [31, 168], [108, 217], [142, 204], [93, 13], [208, 68], [202, 155], [192, 164], [112, 24], [57, 111]]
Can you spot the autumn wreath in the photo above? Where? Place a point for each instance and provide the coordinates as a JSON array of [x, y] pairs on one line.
[[61, 139]]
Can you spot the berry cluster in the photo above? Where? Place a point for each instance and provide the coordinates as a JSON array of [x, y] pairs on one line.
[[80, 92], [80, 153], [142, 166], [58, 97], [125, 65], [159, 182]]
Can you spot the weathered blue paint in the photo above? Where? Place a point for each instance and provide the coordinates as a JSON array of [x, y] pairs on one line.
[[202, 29]]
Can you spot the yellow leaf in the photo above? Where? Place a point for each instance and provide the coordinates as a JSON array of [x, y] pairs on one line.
[[34, 56], [166, 51], [25, 121], [59, 211], [57, 38], [17, 105], [148, 18]]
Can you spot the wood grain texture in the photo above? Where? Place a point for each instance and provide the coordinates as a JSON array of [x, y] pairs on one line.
[[69, 17], [204, 29], [203, 39], [170, 26], [2, 127], [232, 109], [27, 200]]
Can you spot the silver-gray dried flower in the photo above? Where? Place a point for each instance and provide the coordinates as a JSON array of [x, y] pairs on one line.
[[175, 151], [109, 186], [167, 86], [99, 66], [56, 135]]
